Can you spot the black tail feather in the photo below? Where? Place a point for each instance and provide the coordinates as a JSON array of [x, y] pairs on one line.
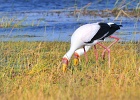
[[120, 25]]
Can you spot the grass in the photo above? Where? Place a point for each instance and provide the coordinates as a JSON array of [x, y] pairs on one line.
[[32, 71]]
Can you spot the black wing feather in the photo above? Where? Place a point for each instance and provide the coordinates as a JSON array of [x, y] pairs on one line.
[[113, 28], [104, 28]]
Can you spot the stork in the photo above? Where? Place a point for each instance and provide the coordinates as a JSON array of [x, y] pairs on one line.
[[87, 36]]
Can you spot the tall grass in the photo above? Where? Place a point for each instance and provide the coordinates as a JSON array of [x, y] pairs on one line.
[[32, 71]]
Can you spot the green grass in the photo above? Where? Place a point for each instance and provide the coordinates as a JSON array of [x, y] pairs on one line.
[[32, 71]]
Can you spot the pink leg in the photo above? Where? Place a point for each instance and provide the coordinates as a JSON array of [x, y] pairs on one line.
[[96, 53], [117, 39], [85, 54], [108, 52]]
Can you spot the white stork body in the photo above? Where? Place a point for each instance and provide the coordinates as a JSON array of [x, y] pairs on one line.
[[80, 36], [88, 35]]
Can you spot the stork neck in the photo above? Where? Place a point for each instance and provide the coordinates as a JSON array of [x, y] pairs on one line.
[[69, 54]]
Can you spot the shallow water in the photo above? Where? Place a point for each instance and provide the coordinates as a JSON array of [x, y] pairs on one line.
[[51, 20]]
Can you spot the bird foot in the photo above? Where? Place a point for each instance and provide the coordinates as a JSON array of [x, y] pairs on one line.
[[64, 64]]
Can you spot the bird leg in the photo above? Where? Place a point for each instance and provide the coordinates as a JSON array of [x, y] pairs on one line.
[[85, 54], [116, 40], [96, 53], [108, 49]]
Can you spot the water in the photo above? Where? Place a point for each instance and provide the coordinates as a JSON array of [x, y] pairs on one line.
[[51, 20]]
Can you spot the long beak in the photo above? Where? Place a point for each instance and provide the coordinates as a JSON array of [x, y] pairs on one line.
[[64, 64], [76, 59], [64, 67]]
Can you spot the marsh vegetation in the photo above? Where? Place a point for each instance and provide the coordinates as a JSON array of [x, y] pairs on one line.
[[32, 70]]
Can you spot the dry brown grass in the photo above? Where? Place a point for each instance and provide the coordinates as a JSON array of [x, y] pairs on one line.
[[31, 71]]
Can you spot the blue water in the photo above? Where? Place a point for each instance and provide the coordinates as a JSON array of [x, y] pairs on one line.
[[40, 20]]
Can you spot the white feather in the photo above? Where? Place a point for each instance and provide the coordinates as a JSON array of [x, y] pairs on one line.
[[83, 34], [86, 32]]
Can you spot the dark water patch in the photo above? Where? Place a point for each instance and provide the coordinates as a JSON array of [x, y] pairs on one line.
[[25, 36]]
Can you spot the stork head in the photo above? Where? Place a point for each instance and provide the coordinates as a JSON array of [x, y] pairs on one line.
[[114, 26]]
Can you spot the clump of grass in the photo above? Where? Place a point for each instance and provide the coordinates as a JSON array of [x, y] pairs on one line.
[[32, 70], [120, 9], [6, 22]]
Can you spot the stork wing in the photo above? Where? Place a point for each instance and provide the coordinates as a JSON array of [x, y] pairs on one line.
[[89, 31], [101, 33]]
